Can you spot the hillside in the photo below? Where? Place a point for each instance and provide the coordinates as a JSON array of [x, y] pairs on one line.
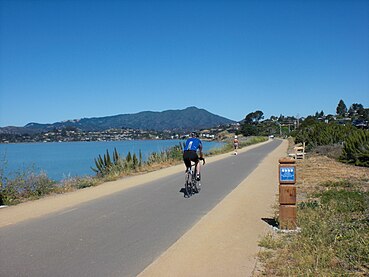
[[186, 119]]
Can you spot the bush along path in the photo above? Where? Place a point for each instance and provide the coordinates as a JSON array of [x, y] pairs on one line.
[[356, 148], [355, 142]]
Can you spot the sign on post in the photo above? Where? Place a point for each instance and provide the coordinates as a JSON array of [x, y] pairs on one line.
[[287, 174], [287, 194]]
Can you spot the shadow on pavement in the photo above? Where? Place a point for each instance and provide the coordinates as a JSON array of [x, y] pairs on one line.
[[270, 221]]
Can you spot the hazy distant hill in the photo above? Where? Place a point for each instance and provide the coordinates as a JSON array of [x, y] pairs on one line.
[[187, 119]]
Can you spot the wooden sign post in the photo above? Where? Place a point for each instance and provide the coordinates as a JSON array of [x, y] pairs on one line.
[[287, 194]]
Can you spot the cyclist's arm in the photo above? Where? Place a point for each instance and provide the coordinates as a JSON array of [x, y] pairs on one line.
[[201, 154], [200, 149]]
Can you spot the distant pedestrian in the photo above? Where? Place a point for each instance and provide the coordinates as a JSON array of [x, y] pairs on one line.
[[235, 144]]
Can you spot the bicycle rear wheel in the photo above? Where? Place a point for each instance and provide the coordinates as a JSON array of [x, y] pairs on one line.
[[188, 185], [196, 186]]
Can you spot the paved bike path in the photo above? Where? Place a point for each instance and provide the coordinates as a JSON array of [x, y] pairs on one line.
[[225, 241], [119, 234]]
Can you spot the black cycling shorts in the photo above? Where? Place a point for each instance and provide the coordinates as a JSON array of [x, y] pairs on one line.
[[188, 156]]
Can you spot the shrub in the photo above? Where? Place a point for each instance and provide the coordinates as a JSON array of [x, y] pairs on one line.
[[333, 151], [172, 154], [356, 148], [84, 182], [319, 133], [105, 165], [355, 141], [25, 185]]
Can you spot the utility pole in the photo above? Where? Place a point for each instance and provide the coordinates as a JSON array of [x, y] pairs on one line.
[[298, 121]]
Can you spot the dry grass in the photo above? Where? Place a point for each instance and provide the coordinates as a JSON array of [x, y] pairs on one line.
[[316, 169], [331, 243]]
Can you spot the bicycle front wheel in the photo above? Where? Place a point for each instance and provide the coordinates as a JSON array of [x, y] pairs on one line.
[[197, 186]]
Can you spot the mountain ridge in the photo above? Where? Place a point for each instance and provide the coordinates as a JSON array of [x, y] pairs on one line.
[[189, 118]]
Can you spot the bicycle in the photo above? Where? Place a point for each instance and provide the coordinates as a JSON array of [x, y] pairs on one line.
[[192, 186]]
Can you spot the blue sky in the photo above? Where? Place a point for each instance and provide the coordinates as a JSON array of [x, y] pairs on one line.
[[69, 59]]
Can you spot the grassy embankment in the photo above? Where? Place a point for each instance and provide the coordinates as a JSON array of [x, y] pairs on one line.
[[27, 185], [333, 214]]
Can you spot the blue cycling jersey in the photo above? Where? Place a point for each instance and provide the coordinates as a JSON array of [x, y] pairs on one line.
[[192, 144]]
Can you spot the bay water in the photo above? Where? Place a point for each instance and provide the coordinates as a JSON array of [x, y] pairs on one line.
[[62, 160]]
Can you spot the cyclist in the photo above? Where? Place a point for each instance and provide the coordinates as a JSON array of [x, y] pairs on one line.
[[190, 153]]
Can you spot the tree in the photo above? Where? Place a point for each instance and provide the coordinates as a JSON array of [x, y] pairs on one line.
[[319, 115], [249, 128], [355, 109], [310, 120], [364, 114], [341, 108], [254, 117], [281, 118]]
